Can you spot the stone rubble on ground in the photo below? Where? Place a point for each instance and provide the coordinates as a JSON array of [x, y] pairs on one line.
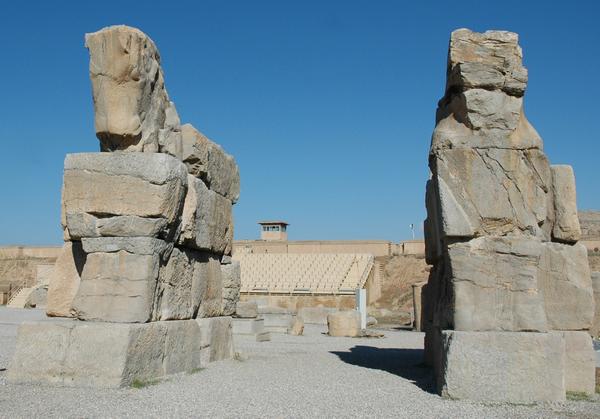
[[344, 324], [148, 232], [297, 328], [510, 288]]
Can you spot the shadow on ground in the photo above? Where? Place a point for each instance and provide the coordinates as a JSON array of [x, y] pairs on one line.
[[406, 363]]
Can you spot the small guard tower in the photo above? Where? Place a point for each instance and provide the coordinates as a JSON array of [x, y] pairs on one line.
[[273, 230]]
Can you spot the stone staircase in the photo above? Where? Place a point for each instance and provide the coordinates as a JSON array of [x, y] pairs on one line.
[[19, 299]]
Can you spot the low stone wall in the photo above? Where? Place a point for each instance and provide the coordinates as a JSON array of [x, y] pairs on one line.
[[374, 247], [296, 302], [19, 264]]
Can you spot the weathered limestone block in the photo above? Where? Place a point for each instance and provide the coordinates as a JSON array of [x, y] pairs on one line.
[[231, 274], [182, 349], [135, 245], [566, 227], [207, 287], [190, 284], [516, 367], [454, 129], [491, 60], [595, 329], [130, 99], [580, 362], [246, 309], [344, 323], [431, 225], [90, 354], [65, 279], [173, 299], [495, 286], [117, 287], [216, 339], [104, 185], [519, 182], [481, 109], [86, 225], [207, 219], [564, 281], [170, 138], [206, 160]]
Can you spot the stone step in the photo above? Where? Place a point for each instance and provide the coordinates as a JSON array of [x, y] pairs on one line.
[[248, 326], [20, 298]]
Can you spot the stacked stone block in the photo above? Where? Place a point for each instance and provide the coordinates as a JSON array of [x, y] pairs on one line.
[[146, 275], [510, 294], [247, 323]]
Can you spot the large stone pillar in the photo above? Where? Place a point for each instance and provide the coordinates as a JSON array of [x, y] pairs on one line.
[[501, 232], [145, 284]]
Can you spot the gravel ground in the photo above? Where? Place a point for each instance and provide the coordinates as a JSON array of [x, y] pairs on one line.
[[291, 376]]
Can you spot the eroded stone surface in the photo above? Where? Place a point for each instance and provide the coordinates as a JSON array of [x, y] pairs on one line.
[[566, 286], [173, 296], [110, 355], [566, 227], [216, 339], [519, 182], [208, 287], [131, 103], [134, 245], [144, 185], [65, 279], [207, 219], [580, 363], [86, 225], [117, 287], [491, 60], [495, 285], [231, 274], [517, 367], [206, 160]]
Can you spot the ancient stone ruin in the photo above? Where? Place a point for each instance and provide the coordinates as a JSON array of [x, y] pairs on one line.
[[510, 296], [145, 282]]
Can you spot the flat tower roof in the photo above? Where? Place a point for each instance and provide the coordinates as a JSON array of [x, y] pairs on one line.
[[273, 222]]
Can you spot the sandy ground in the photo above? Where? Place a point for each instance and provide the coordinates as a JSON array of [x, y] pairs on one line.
[[310, 376]]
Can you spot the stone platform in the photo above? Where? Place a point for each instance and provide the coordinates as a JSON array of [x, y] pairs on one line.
[[277, 322], [110, 355], [254, 328]]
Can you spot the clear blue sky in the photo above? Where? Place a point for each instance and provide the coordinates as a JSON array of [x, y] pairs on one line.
[[328, 107]]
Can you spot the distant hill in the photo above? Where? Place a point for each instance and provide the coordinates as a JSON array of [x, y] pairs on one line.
[[590, 224]]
